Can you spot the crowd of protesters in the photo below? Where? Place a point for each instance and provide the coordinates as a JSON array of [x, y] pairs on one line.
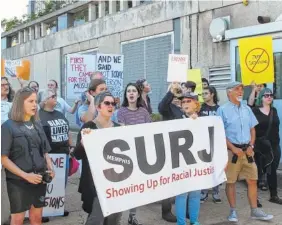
[[27, 117]]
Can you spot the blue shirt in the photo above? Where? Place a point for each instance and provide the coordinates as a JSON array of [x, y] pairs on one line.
[[83, 109], [238, 122]]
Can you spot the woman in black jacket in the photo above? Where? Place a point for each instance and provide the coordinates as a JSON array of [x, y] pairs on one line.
[[104, 103]]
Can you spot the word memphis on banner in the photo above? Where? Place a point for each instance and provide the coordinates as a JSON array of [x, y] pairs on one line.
[[151, 162], [79, 69], [54, 202], [112, 68]]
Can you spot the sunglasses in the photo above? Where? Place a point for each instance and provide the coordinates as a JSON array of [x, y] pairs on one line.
[[268, 95], [186, 101], [107, 103]]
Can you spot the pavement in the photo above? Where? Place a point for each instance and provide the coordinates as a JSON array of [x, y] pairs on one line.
[[211, 214]]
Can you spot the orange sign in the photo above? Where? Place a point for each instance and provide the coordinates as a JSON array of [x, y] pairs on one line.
[[15, 68]]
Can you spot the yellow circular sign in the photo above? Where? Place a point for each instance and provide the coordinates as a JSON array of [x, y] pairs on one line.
[[257, 60]]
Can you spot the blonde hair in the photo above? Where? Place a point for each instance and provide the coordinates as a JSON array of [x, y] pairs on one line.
[[17, 112]]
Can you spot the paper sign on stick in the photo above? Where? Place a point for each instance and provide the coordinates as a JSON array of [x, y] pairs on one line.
[[177, 68], [256, 60], [195, 76]]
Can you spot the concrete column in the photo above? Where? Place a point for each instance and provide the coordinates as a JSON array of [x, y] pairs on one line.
[[37, 31], [31, 33], [43, 29], [102, 9], [135, 3], [92, 11], [25, 35], [20, 37], [123, 5], [112, 6]]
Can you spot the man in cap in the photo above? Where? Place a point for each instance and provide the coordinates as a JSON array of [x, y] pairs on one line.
[[239, 123]]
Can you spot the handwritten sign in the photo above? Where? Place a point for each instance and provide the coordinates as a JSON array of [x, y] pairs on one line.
[[177, 68], [54, 202], [79, 69], [256, 60], [112, 68], [15, 68]]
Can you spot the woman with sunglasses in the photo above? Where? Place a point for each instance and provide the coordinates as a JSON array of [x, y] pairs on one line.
[[105, 105], [267, 149], [24, 155], [132, 113], [209, 108], [187, 203], [6, 99], [56, 128]]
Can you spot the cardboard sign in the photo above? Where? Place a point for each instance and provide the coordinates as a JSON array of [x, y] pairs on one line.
[[15, 68], [195, 76], [177, 68], [256, 60], [155, 161], [112, 68], [79, 69]]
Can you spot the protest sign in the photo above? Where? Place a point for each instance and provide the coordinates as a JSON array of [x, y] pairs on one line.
[[155, 161], [195, 76], [112, 68], [256, 60], [55, 193], [79, 69], [15, 68], [177, 68]]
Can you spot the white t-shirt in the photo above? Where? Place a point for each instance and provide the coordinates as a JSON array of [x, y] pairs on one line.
[[62, 106], [5, 109]]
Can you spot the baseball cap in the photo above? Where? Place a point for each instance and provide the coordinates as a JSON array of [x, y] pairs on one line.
[[233, 85], [189, 95]]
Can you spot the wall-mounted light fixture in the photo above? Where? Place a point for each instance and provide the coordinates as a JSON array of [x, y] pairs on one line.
[[263, 19]]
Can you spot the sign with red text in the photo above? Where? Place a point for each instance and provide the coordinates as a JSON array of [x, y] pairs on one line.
[[112, 68], [55, 193], [155, 161], [79, 69], [177, 68]]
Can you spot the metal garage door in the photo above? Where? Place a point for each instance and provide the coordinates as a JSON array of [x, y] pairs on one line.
[[148, 58]]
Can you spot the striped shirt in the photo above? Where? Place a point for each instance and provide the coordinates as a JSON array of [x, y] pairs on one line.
[[131, 117]]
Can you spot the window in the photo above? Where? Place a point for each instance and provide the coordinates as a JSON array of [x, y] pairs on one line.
[[3, 43], [277, 89], [62, 22], [148, 58]]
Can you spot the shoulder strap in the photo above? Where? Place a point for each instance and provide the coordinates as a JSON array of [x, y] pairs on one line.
[[270, 123]]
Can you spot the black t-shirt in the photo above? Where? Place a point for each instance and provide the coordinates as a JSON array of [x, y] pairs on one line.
[[207, 110], [56, 128], [15, 139], [263, 121]]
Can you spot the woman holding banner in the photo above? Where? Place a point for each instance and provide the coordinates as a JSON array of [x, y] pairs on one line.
[[132, 113], [24, 155], [105, 106], [187, 203]]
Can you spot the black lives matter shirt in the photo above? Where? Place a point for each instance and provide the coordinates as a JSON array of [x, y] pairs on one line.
[[56, 128], [207, 110]]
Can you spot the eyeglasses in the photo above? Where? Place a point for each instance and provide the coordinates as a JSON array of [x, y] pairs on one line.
[[268, 95], [107, 103], [186, 101], [4, 85]]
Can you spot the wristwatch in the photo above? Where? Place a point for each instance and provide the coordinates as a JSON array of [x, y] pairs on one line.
[[252, 146]]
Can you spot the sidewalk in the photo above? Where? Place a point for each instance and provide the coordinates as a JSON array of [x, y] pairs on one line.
[[211, 214]]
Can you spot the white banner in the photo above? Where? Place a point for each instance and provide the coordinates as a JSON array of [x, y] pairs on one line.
[[112, 68], [55, 193], [177, 68], [137, 165], [79, 69]]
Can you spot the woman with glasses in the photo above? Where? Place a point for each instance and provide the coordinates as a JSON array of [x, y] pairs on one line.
[[267, 149], [209, 108], [6, 99], [132, 113], [56, 128], [105, 105], [24, 155]]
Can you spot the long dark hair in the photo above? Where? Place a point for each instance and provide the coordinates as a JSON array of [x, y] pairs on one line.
[[11, 93], [213, 91], [139, 99]]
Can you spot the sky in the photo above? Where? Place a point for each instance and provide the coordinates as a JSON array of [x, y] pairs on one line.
[[11, 8]]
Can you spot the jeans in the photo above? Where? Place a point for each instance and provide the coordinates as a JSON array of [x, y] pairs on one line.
[[193, 206], [96, 216]]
